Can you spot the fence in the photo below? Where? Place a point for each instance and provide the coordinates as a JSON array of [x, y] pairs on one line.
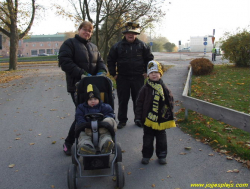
[[237, 119]]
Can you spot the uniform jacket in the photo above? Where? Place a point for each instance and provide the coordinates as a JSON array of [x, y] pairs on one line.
[[129, 58], [145, 100], [78, 56], [84, 108]]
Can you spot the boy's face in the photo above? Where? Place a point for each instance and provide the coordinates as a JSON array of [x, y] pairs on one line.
[[93, 101], [154, 76]]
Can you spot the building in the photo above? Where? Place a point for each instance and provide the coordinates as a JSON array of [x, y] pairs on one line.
[[35, 44], [197, 44]]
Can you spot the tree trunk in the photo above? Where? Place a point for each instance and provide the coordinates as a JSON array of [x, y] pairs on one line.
[[13, 50]]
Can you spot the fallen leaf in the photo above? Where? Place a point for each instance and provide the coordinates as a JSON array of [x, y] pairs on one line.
[[129, 173], [236, 171], [11, 165], [17, 138], [32, 143], [53, 142], [39, 134], [49, 136], [229, 158], [153, 185], [114, 178], [188, 148], [183, 153], [52, 186], [211, 154]]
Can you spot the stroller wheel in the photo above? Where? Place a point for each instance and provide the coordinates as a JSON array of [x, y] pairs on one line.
[[119, 153], [72, 176], [73, 156], [120, 179]]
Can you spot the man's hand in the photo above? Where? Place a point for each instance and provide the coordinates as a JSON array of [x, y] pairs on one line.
[[145, 75]]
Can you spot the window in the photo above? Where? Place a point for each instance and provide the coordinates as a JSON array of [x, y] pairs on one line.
[[41, 51], [41, 45], [33, 52], [33, 45]]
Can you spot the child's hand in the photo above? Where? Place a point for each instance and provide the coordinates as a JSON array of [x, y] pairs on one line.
[[138, 123]]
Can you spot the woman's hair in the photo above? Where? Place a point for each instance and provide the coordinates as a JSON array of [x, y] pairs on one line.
[[86, 24]]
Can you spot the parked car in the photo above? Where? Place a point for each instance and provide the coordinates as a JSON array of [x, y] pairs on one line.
[[184, 50], [43, 54]]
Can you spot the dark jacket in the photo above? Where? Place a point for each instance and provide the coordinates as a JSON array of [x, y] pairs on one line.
[[129, 58], [78, 56], [83, 109], [145, 100]]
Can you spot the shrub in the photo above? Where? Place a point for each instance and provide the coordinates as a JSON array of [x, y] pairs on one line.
[[236, 47], [202, 66]]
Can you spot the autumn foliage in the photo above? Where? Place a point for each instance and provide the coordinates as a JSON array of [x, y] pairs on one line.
[[201, 66]]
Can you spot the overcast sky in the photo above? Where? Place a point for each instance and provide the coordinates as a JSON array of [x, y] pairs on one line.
[[184, 18]]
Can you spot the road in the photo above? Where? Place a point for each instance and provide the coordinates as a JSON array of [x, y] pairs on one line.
[[35, 115]]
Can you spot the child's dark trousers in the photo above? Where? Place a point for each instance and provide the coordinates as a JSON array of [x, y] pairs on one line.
[[148, 143]]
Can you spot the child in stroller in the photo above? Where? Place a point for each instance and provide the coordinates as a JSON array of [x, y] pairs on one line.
[[107, 153], [93, 104]]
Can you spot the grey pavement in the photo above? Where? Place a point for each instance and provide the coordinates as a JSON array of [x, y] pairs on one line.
[[36, 111]]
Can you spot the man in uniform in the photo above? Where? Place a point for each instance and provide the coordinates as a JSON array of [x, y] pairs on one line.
[[127, 63]]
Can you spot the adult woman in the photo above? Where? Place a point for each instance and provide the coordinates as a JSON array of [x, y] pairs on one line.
[[79, 57]]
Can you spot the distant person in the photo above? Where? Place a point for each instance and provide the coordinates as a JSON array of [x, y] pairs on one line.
[[78, 57], [93, 104], [214, 54], [154, 111], [127, 63]]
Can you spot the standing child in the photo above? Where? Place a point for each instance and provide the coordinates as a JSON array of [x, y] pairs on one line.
[[93, 104], [154, 109]]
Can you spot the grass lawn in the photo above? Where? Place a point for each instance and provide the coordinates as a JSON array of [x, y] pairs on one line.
[[227, 86]]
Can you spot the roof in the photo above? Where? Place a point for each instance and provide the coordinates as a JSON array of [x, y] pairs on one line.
[[43, 38]]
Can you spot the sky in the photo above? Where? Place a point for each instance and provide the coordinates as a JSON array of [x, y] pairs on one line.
[[184, 18]]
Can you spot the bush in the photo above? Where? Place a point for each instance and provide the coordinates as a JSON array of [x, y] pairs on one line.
[[202, 66], [236, 47]]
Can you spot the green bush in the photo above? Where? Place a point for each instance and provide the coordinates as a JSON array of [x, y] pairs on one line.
[[236, 47], [202, 66]]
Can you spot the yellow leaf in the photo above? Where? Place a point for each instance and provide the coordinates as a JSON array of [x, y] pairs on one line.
[[53, 142], [129, 173], [32, 143], [153, 185], [236, 171], [17, 138], [11, 165], [188, 148], [211, 154]]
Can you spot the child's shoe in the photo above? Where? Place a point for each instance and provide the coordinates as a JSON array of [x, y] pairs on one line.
[[145, 161], [87, 149], [107, 146], [162, 161]]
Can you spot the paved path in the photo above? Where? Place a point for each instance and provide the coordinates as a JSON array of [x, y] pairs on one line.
[[36, 110]]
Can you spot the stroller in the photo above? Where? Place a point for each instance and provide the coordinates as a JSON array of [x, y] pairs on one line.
[[112, 160]]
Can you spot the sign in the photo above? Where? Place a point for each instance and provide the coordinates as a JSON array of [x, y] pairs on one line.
[[205, 38], [213, 38], [179, 42], [151, 43], [205, 43]]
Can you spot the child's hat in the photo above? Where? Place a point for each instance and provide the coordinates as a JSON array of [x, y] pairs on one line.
[[154, 66], [92, 92]]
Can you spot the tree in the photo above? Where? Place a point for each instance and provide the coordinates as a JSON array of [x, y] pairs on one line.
[[169, 46], [110, 16], [236, 47], [11, 26]]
